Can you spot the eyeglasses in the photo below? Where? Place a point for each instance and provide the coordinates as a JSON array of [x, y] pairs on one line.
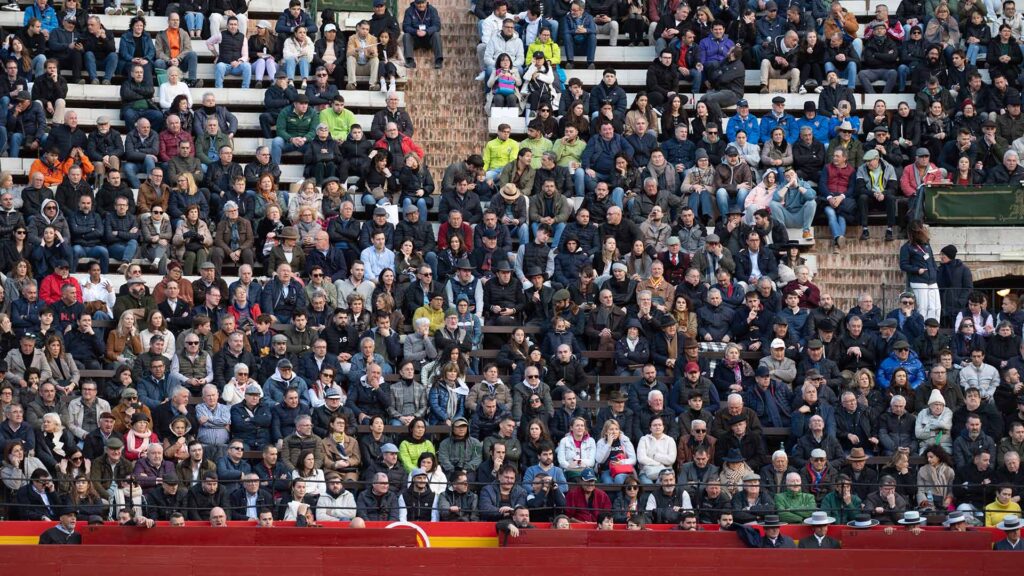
[[191, 342], [318, 275], [906, 301], [321, 75], [158, 211], [696, 431], [20, 232], [533, 377], [242, 374], [632, 487], [426, 273]]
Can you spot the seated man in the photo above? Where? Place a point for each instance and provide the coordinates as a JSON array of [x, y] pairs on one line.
[[421, 28], [797, 206], [780, 61], [296, 125], [232, 54], [876, 184], [579, 34]]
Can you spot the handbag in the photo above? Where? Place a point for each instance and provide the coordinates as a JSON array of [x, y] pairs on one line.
[[616, 469]]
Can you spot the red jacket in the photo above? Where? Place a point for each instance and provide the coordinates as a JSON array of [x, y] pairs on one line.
[[445, 232], [577, 507], [169, 143], [49, 289], [908, 181], [407, 146]]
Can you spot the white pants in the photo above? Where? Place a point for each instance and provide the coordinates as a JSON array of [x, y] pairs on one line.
[[219, 22], [928, 302]]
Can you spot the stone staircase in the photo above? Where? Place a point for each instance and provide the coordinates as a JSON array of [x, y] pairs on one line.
[[446, 105], [860, 267]]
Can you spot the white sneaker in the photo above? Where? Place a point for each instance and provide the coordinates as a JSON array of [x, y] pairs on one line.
[[383, 86], [480, 76], [819, 89], [803, 90], [393, 85]]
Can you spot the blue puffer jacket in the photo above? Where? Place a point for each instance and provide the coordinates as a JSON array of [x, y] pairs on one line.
[[438, 399]]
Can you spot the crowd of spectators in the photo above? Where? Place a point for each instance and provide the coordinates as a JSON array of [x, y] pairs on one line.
[[674, 278]]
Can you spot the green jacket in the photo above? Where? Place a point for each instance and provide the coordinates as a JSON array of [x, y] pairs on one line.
[[843, 513], [454, 454], [205, 142], [794, 507], [339, 124], [291, 125], [538, 147]]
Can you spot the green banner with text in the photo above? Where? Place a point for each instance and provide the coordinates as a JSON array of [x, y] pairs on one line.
[[974, 206]]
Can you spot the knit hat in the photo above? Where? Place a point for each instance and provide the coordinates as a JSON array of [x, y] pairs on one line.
[[949, 251], [936, 398]]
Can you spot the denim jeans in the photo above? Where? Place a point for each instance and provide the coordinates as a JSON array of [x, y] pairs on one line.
[[522, 232], [973, 50], [803, 218], [98, 252], [131, 170], [194, 20], [696, 77], [289, 67], [591, 183], [723, 200], [109, 65], [579, 182], [39, 64], [17, 140], [587, 45], [123, 251], [618, 195], [189, 63], [557, 228], [839, 217], [700, 203], [279, 146], [421, 204], [902, 71], [131, 116], [223, 69], [851, 73]]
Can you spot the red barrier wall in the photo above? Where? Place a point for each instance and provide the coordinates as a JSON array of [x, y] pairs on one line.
[[203, 561]]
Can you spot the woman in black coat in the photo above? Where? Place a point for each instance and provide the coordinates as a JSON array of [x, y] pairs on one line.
[[417, 185]]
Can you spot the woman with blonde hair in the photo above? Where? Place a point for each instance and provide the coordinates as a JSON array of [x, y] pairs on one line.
[[615, 454], [123, 342], [173, 88]]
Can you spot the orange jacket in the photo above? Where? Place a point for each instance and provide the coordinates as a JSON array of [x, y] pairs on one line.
[[54, 175]]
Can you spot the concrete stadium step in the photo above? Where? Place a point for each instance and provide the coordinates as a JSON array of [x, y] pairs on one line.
[[258, 9], [290, 173], [246, 120], [207, 72], [354, 99]]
